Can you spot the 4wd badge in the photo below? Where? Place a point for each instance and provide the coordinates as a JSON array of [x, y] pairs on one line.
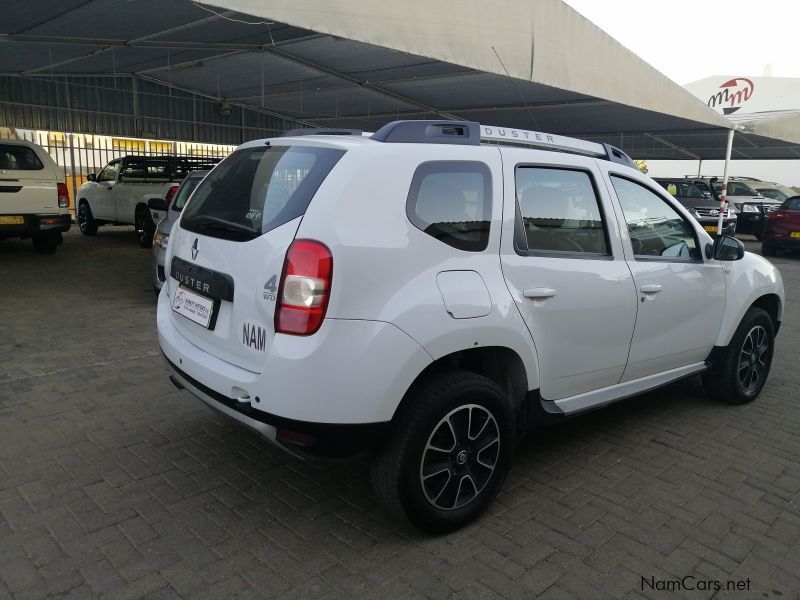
[[271, 289]]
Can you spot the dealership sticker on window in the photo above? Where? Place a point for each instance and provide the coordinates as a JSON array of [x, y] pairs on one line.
[[193, 306]]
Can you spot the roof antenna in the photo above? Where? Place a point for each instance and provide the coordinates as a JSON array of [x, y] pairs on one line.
[[511, 79]]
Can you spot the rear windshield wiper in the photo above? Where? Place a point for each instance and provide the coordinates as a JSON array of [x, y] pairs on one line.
[[206, 222]]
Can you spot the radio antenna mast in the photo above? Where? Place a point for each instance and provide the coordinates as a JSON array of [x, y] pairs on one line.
[[516, 89]]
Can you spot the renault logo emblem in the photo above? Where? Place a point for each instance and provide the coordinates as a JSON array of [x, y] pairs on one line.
[[194, 249]]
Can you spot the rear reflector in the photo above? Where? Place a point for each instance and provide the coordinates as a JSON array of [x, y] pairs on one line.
[[304, 289], [63, 196], [293, 437]]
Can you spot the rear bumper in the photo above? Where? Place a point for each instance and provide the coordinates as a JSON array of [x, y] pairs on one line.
[[780, 240], [34, 224], [300, 438], [340, 387]]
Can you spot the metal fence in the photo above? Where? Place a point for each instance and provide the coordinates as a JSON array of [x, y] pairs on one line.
[[79, 154]]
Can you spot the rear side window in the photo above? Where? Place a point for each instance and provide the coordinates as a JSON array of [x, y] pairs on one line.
[[144, 170], [560, 212], [19, 158], [452, 202], [255, 190], [187, 187]]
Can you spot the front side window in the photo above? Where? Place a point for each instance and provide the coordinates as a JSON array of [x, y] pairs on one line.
[[257, 189], [452, 202], [110, 172], [656, 229], [560, 211], [19, 158]]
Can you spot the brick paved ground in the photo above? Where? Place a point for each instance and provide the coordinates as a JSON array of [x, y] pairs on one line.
[[114, 484]]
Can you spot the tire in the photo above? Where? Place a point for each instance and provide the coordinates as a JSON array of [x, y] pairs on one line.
[[743, 366], [145, 228], [86, 222], [435, 431], [768, 249], [46, 243]]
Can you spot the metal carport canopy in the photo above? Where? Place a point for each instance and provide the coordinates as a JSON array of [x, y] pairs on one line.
[[360, 64]]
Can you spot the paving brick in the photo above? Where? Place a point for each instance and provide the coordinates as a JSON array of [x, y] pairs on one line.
[[115, 485]]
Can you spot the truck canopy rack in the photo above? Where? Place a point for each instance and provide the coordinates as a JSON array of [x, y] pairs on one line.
[[470, 133], [321, 131]]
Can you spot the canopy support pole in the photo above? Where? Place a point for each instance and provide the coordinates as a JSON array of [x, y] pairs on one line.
[[723, 199]]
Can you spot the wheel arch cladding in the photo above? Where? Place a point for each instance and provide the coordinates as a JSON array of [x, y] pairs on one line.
[[498, 363]]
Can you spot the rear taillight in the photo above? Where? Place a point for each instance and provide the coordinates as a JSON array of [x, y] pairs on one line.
[[774, 216], [63, 196], [170, 195], [304, 289]]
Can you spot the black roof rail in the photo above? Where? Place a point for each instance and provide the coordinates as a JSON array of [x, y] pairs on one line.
[[430, 132], [616, 155], [321, 131]]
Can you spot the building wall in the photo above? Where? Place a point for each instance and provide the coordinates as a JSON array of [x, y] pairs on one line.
[[127, 106]]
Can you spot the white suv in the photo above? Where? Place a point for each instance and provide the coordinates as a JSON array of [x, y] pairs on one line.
[[428, 292], [34, 201]]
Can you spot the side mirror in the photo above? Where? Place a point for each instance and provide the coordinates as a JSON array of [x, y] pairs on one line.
[[157, 204], [91, 177], [728, 248]]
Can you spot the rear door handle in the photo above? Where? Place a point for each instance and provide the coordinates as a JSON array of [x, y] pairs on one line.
[[539, 293], [650, 288]]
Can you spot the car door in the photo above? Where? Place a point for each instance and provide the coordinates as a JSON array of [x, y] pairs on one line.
[[102, 194], [681, 293], [130, 188], [562, 259]]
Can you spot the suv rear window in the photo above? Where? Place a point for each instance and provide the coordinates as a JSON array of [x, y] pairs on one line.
[[255, 190], [19, 158]]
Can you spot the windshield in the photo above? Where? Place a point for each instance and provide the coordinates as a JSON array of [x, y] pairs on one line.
[[776, 192], [255, 190], [187, 187], [683, 189], [735, 188]]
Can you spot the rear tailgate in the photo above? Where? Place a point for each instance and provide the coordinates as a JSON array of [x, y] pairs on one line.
[[227, 251], [27, 183]]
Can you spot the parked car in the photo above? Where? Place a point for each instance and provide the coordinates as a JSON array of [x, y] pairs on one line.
[[701, 206], [773, 191], [118, 195], [425, 298], [34, 201], [171, 212], [782, 231], [749, 206]]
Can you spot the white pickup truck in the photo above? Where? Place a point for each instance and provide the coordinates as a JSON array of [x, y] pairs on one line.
[[119, 194]]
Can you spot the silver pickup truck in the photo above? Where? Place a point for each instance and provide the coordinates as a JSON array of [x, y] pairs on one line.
[[119, 194]]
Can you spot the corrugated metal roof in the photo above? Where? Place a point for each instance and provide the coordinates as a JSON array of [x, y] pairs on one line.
[[343, 63]]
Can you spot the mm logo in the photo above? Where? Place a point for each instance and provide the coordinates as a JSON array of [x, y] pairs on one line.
[[732, 94]]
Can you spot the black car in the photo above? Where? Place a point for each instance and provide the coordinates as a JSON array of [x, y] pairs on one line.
[[703, 206]]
